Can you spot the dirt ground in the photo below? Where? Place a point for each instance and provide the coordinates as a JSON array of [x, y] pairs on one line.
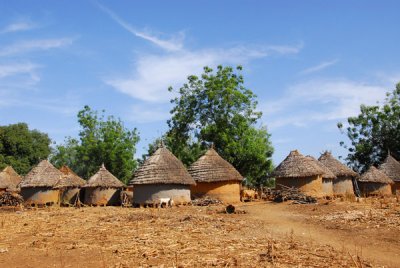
[[334, 234]]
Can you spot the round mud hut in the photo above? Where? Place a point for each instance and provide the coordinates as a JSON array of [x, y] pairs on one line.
[[162, 176], [375, 182], [343, 184], [9, 180], [215, 177], [38, 186], [327, 178], [69, 186], [103, 189], [299, 172], [391, 167]]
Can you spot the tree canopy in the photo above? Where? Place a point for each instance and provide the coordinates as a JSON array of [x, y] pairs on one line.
[[101, 140], [217, 108], [374, 132], [22, 148]]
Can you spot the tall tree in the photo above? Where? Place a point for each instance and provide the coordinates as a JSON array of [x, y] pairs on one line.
[[374, 132], [101, 140], [217, 108], [22, 148]]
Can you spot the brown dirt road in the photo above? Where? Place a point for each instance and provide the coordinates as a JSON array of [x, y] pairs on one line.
[[379, 246]]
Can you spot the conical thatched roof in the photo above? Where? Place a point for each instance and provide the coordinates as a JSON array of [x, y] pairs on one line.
[[43, 175], [375, 175], [327, 173], [69, 178], [391, 168], [212, 167], [104, 178], [9, 179], [334, 165], [297, 165], [162, 168]]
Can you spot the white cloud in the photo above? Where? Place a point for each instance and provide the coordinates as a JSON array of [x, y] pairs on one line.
[[147, 113], [33, 45], [321, 100], [319, 67], [18, 27], [173, 44], [12, 69]]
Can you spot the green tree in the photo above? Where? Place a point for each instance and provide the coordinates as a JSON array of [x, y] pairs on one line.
[[374, 132], [217, 108], [22, 148], [101, 140]]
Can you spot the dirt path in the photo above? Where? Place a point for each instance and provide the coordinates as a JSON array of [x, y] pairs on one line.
[[379, 248]]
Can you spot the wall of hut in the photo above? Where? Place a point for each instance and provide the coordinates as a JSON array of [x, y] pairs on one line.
[[226, 191], [69, 195], [308, 185], [374, 188], [396, 188], [343, 186], [151, 193], [100, 196], [327, 187], [40, 195]]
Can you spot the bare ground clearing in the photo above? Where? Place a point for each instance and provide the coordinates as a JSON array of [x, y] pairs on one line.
[[279, 235]]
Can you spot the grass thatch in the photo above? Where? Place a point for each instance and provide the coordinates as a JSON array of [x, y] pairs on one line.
[[334, 165], [212, 167], [9, 179], [69, 179], [297, 165], [375, 175], [327, 173], [391, 167], [162, 168], [43, 175], [104, 178]]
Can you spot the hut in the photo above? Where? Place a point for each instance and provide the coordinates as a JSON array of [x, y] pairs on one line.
[[215, 177], [162, 175], [391, 167], [37, 187], [299, 172], [9, 180], [69, 186], [327, 177], [375, 182], [343, 184], [103, 189]]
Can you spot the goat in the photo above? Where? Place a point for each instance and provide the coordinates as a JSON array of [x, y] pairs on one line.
[[167, 201]]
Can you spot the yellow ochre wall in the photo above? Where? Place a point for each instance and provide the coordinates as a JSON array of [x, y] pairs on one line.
[[308, 185], [226, 191]]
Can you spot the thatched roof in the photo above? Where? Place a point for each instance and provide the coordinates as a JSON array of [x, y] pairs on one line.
[[9, 179], [104, 178], [327, 173], [375, 175], [69, 178], [162, 168], [297, 165], [334, 165], [212, 167], [43, 175], [391, 167]]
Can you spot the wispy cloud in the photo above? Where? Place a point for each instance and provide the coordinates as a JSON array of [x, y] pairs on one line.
[[33, 45], [18, 27], [321, 100], [173, 44], [12, 69], [319, 67]]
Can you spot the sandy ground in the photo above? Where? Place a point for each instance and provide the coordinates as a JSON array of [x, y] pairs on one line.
[[267, 235]]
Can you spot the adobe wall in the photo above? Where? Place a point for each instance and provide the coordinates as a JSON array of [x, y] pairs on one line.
[[225, 191], [40, 195], [99, 196], [327, 187], [374, 188], [309, 185], [68, 196], [343, 186], [151, 193], [396, 188]]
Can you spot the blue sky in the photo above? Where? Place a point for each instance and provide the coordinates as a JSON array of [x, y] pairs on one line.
[[311, 63]]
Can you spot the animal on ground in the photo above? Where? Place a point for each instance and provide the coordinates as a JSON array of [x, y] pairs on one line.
[[166, 201], [248, 195]]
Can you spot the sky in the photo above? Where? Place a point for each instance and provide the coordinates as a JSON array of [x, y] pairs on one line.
[[310, 63]]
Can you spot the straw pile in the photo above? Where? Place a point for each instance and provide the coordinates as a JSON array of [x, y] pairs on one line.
[[43, 175]]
